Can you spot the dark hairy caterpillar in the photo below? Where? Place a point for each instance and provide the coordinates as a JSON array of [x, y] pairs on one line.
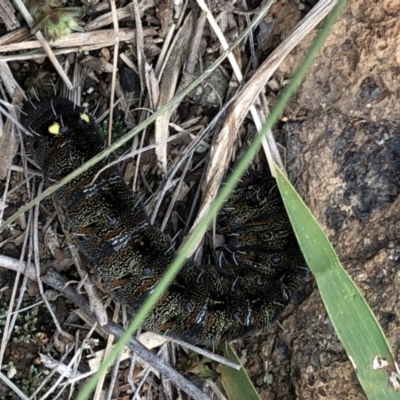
[[127, 255]]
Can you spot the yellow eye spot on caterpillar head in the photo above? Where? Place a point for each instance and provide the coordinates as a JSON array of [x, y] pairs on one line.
[[54, 128], [85, 117]]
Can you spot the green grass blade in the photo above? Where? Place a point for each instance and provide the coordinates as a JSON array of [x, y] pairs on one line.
[[237, 384], [353, 320]]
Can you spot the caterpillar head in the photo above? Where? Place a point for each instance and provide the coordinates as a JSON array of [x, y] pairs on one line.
[[63, 136]]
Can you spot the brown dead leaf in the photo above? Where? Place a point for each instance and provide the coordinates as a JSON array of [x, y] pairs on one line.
[[63, 342], [97, 64]]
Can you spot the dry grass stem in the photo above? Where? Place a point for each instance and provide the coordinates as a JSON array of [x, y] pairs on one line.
[[109, 18], [98, 392], [193, 56], [19, 269], [14, 36], [74, 42], [68, 369], [115, 68], [220, 153], [168, 88], [35, 231], [7, 15]]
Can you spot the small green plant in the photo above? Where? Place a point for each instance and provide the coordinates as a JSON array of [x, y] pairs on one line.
[[28, 326], [23, 332], [32, 378], [54, 20], [119, 128], [198, 365], [35, 377]]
